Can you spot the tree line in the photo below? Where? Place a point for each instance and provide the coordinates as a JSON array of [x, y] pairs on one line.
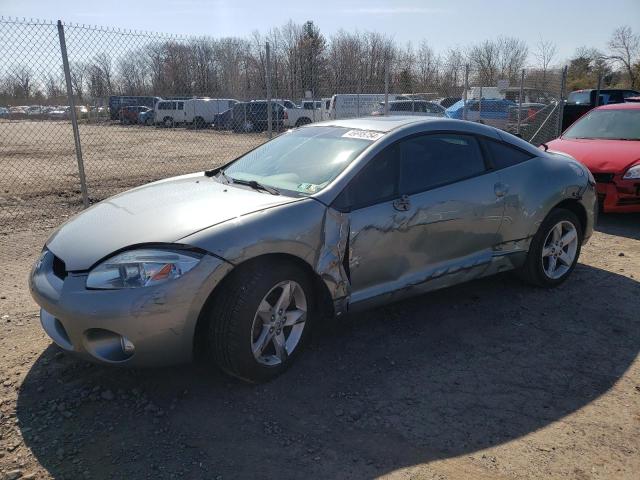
[[302, 59]]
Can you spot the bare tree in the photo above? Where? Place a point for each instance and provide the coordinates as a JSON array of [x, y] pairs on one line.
[[484, 59], [624, 46], [512, 55], [78, 73], [54, 87], [21, 79], [452, 72], [545, 53], [427, 66]]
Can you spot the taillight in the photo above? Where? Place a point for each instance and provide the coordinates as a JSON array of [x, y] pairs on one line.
[[531, 113], [286, 115]]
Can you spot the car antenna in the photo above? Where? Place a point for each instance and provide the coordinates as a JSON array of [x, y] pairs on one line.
[[546, 147]]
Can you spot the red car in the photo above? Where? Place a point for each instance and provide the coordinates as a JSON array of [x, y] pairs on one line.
[[130, 114], [607, 141]]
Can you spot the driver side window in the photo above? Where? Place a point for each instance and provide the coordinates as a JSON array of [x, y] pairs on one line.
[[377, 182]]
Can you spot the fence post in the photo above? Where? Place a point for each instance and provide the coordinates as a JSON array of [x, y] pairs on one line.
[[386, 86], [520, 100], [268, 75], [563, 85], [599, 88], [358, 94], [74, 118], [466, 89]]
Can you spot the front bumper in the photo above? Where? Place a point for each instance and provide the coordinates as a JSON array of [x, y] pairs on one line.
[[148, 326], [618, 195]]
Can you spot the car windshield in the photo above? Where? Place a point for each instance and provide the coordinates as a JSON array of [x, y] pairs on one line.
[[304, 160], [607, 124]]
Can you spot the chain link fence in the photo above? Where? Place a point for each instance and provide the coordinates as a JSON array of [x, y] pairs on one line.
[[87, 112]]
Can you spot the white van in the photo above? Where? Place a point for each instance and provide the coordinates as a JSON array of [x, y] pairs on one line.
[[169, 112], [488, 93], [350, 105], [202, 111]]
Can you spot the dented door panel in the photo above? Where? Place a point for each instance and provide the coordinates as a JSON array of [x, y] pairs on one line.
[[444, 230]]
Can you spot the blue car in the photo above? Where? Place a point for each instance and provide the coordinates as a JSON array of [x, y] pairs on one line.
[[146, 117], [494, 112], [223, 120]]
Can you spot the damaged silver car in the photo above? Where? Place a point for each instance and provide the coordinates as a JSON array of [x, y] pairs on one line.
[[236, 264]]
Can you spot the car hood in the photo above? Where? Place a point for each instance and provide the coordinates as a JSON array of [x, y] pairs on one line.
[[160, 212], [600, 156]]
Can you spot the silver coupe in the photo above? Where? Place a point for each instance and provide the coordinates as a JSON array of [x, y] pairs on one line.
[[235, 265]]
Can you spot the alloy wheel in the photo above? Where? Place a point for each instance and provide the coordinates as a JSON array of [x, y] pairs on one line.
[[279, 323], [559, 250]]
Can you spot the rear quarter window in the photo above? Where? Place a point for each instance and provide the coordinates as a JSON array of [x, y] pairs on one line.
[[503, 155]]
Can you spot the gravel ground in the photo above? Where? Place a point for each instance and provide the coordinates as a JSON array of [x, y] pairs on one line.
[[487, 380], [39, 172]]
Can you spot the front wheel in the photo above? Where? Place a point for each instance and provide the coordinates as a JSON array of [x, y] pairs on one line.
[[260, 319], [554, 250]]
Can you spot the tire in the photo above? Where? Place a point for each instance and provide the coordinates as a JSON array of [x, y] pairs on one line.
[[236, 328], [168, 122], [537, 266], [303, 121], [148, 122], [248, 126]]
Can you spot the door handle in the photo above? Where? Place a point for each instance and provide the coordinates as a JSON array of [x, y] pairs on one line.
[[500, 189], [402, 204]]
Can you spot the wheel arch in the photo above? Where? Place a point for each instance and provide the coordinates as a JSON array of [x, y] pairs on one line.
[[303, 121], [323, 299], [575, 207]]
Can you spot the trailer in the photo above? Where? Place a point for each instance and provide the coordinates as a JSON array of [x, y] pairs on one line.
[[350, 105], [202, 112]]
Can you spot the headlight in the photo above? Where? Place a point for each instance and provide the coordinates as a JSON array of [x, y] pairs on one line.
[[141, 268], [632, 173]]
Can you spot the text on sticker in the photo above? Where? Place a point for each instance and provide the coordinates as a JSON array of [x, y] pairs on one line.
[[363, 134]]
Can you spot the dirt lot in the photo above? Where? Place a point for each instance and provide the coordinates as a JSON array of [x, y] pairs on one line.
[[488, 380], [39, 173]]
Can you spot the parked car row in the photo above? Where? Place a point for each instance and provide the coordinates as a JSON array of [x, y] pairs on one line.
[[50, 112]]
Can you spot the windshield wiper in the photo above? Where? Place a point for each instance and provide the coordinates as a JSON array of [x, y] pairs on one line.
[[250, 183]]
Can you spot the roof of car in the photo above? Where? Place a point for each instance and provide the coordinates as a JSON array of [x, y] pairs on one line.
[[620, 106], [604, 90], [378, 124]]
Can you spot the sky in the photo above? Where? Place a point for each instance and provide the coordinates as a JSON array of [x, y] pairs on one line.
[[443, 23]]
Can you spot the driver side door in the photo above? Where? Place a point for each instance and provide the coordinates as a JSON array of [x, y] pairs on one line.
[[424, 213]]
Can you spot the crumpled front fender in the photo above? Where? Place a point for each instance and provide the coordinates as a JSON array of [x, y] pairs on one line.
[[331, 265]]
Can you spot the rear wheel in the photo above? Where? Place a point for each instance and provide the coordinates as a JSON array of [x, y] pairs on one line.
[[303, 121], [248, 126], [554, 250], [168, 122], [199, 123], [260, 319]]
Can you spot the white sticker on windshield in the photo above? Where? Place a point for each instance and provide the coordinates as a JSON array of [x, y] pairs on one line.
[[364, 134]]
